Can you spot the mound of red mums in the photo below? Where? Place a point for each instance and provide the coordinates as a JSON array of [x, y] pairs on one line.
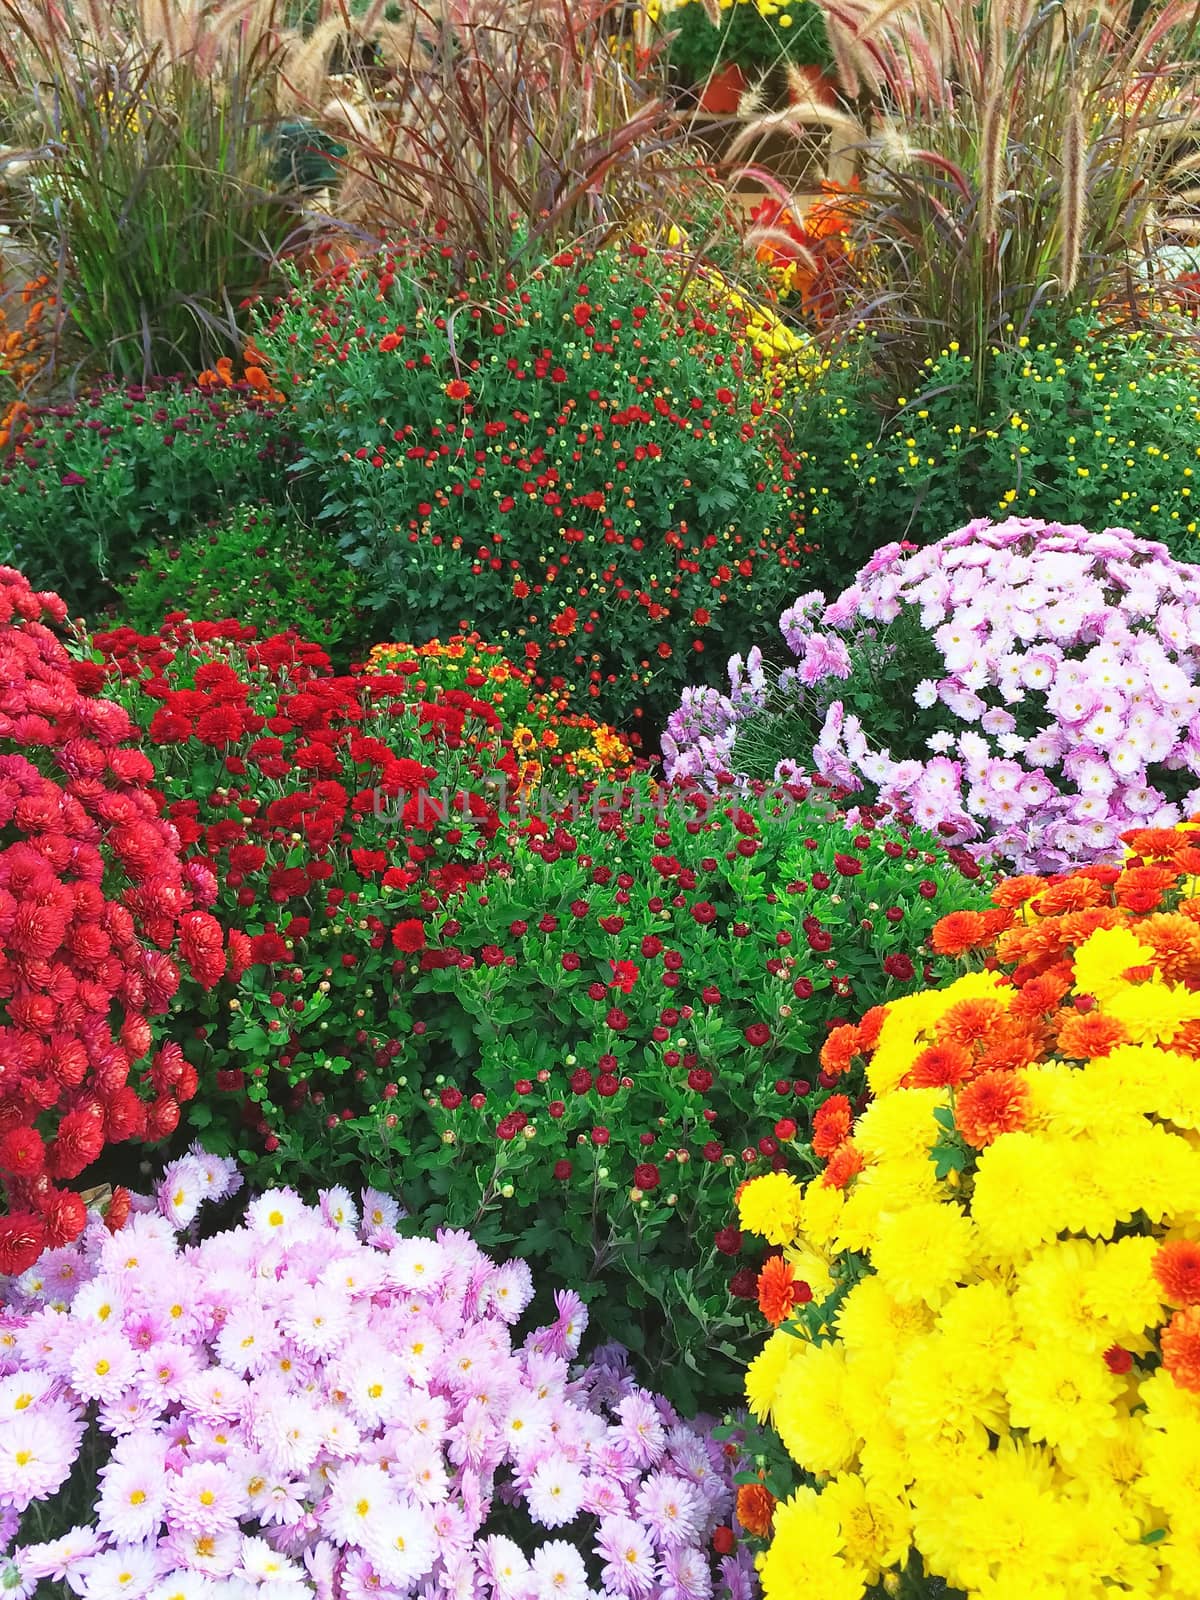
[[97, 911], [338, 815]]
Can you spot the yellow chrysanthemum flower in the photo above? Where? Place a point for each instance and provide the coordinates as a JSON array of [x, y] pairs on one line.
[[770, 1207]]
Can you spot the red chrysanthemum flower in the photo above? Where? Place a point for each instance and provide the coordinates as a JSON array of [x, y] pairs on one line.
[[22, 1240], [22, 1152]]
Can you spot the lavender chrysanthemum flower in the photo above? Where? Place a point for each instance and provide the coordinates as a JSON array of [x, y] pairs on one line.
[[671, 1509], [642, 1429], [628, 1556], [685, 1575]]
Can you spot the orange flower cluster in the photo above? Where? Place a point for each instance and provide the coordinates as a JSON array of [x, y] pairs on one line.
[[256, 371], [977, 1046], [756, 1509], [24, 354], [809, 254]]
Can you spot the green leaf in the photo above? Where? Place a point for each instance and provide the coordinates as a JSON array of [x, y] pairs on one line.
[[948, 1158]]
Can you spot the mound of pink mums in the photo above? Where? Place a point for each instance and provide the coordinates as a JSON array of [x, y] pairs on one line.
[[1064, 709], [311, 1404], [98, 914]]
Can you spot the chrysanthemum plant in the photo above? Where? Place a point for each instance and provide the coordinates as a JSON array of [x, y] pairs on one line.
[[95, 485], [547, 737], [986, 1363], [307, 1403], [337, 815], [98, 912], [1028, 689], [639, 1003], [1095, 422], [586, 458]]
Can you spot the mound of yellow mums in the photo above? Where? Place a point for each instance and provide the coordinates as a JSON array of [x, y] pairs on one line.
[[986, 1362]]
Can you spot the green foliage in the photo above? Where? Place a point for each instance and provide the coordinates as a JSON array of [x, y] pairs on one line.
[[102, 482], [747, 36], [900, 652], [587, 460], [1100, 426], [260, 565]]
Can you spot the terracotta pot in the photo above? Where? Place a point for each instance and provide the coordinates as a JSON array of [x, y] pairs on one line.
[[812, 85], [720, 93]]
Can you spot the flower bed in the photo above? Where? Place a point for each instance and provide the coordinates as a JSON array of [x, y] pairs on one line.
[[995, 1281], [310, 1403], [547, 737], [1048, 691], [492, 969]]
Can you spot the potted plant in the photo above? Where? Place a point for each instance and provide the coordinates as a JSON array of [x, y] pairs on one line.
[[780, 39]]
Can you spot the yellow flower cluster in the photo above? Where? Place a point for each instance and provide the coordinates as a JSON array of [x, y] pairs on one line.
[[997, 1382], [776, 11]]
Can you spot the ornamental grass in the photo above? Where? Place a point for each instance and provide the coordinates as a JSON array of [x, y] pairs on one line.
[[986, 1363]]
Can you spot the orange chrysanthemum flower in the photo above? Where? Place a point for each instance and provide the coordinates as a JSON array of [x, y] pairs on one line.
[[1175, 941], [840, 1049], [776, 1289], [1141, 888], [1078, 926], [1187, 1040], [831, 1124], [995, 1103], [1177, 1268], [959, 932], [1075, 893], [1008, 1048], [1181, 1348], [845, 1163], [1041, 994], [940, 1066], [968, 1022], [870, 1026], [1014, 892], [1082, 1036], [1154, 844], [756, 1509], [1040, 942]]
